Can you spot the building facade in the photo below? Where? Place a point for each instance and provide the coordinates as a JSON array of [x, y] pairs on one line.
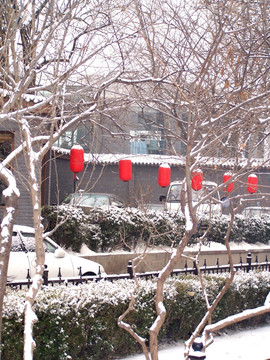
[[146, 139]]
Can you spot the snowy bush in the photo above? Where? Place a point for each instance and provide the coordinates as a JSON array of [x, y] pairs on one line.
[[251, 230], [109, 229], [73, 231], [117, 228], [80, 322]]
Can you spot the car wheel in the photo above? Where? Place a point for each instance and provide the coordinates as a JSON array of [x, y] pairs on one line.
[[89, 273]]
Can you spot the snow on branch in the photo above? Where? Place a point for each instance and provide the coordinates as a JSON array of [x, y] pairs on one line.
[[236, 107], [233, 319]]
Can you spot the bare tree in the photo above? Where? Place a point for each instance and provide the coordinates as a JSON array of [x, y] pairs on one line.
[[206, 67], [50, 52]]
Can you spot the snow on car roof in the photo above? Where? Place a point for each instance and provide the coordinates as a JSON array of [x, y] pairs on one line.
[[23, 228]]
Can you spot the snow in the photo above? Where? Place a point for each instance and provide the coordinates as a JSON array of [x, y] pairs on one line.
[[248, 344], [12, 188], [166, 166], [77, 147], [26, 97], [31, 318], [189, 223], [214, 246], [162, 310], [84, 251], [243, 246]]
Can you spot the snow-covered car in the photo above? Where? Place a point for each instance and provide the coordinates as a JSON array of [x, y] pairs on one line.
[[23, 258], [86, 201]]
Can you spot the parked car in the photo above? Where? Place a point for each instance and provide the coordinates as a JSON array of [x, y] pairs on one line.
[[172, 202], [256, 211], [23, 258], [86, 201]]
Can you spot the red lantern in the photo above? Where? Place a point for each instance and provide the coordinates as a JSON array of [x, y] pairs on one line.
[[76, 161], [252, 181], [227, 177], [164, 175], [125, 170], [196, 180]]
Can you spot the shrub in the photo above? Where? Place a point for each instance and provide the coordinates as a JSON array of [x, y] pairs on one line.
[[73, 230], [80, 322], [117, 228], [110, 229]]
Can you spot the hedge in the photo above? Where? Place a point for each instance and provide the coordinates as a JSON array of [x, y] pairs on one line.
[[80, 322], [117, 228], [110, 229]]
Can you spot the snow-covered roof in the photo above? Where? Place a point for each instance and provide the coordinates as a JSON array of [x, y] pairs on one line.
[[156, 160]]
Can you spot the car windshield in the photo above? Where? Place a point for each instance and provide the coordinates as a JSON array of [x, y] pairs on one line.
[[175, 191], [17, 244], [26, 242], [94, 200]]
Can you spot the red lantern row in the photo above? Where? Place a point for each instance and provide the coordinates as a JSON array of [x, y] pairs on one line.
[[197, 179], [164, 177], [252, 183], [125, 172]]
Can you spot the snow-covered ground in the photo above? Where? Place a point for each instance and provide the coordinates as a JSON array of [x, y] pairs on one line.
[[211, 246], [248, 344]]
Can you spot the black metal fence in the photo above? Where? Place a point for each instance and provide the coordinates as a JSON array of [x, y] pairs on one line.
[[216, 269]]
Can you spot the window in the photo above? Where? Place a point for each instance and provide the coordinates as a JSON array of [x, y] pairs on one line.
[[67, 140], [26, 243], [147, 134], [94, 200], [146, 142], [81, 135], [6, 144]]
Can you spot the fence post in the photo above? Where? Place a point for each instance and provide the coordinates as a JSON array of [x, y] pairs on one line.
[[28, 277], [249, 258], [59, 274], [130, 269], [195, 270], [45, 275], [186, 267]]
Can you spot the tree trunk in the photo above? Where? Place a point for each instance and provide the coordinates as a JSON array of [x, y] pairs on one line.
[[11, 195]]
